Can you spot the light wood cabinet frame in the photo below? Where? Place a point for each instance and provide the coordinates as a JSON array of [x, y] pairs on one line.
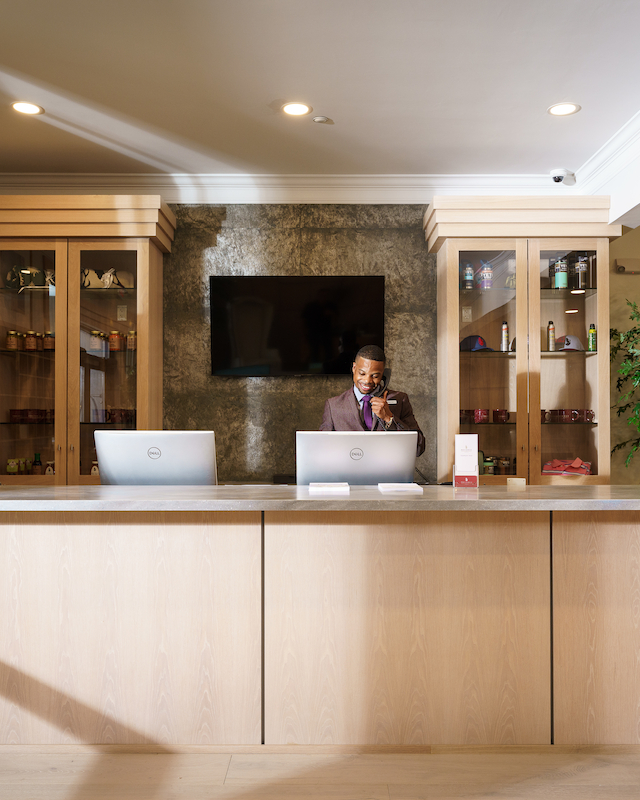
[[149, 344], [528, 365]]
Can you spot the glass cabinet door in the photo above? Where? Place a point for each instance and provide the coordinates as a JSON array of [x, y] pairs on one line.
[[103, 285], [492, 392], [29, 321], [565, 356]]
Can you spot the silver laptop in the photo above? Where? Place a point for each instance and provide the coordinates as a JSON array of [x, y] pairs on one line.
[[149, 458], [356, 458]]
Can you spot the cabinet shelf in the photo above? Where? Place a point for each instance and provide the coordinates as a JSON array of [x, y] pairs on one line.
[[114, 291], [109, 424], [25, 289], [567, 353], [565, 294], [473, 293], [29, 353], [487, 424], [487, 354], [27, 423], [570, 424]]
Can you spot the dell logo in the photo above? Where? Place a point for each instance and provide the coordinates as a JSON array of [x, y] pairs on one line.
[[356, 454], [154, 452]]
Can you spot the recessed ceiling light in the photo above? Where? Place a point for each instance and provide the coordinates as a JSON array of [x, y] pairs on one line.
[[296, 109], [27, 108], [564, 109], [578, 291]]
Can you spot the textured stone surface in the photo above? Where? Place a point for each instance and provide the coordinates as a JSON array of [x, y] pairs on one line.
[[489, 499], [255, 419]]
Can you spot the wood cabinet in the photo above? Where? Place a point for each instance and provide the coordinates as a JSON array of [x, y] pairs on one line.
[[508, 269], [80, 328]]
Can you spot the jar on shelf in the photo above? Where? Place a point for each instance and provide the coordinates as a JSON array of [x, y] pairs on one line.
[[48, 341], [95, 343], [39, 342], [115, 341], [132, 340], [31, 341], [11, 342]]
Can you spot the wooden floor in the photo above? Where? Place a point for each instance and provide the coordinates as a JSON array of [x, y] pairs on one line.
[[520, 773]]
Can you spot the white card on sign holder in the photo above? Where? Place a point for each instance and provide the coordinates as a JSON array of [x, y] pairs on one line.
[[465, 468]]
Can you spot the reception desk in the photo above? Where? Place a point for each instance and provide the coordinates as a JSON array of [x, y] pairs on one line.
[[207, 616]]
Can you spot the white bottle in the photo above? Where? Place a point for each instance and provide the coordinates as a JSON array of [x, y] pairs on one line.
[[551, 336], [504, 341]]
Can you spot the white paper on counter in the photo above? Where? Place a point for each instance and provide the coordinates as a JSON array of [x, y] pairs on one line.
[[329, 488], [400, 487]]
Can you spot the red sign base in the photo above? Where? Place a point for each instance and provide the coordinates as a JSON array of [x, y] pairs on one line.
[[465, 482]]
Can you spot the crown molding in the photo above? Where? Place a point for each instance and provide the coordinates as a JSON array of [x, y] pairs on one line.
[[237, 188], [615, 170]]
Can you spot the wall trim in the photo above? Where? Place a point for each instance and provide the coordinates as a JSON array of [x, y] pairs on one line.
[[245, 188], [614, 170]]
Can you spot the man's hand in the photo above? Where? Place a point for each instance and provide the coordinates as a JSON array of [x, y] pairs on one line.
[[381, 409]]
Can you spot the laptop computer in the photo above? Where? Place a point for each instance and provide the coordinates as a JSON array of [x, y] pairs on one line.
[[152, 458], [357, 458]]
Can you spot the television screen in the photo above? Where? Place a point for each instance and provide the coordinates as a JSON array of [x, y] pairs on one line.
[[293, 325]]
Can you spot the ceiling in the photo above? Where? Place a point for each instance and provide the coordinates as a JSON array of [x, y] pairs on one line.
[[412, 87]]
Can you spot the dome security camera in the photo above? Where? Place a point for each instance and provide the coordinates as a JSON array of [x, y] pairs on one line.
[[563, 176]]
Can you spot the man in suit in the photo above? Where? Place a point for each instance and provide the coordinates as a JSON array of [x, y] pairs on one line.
[[357, 410]]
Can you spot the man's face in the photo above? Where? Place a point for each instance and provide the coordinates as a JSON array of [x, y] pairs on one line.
[[367, 374]]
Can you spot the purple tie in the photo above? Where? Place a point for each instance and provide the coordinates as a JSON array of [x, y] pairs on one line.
[[366, 411]]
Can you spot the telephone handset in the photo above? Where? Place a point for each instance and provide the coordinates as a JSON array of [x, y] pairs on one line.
[[382, 386]]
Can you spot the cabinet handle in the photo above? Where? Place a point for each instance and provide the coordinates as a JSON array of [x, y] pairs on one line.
[[59, 447], [535, 447], [523, 448], [71, 447]]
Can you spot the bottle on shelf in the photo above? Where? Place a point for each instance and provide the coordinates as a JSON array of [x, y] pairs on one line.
[[581, 272], [551, 336], [562, 275], [36, 466], [504, 340], [467, 276], [592, 339], [485, 275]]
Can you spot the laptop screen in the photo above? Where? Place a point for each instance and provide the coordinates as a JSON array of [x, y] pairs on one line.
[[150, 458], [356, 458]]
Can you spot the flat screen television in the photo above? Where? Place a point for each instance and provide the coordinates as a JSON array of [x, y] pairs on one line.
[[293, 325]]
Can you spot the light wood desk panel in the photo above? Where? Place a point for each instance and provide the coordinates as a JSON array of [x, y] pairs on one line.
[[130, 628], [596, 598], [407, 628]]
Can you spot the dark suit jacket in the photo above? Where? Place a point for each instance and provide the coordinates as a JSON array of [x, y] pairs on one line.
[[342, 413]]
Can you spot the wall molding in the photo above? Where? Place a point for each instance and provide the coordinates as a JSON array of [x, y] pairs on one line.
[[245, 188], [615, 170]]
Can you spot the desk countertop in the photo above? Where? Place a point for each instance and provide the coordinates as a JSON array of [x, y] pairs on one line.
[[297, 498]]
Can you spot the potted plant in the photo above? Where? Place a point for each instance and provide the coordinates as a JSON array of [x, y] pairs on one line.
[[626, 346]]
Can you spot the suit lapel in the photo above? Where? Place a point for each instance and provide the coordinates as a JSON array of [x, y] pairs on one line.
[[351, 409]]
